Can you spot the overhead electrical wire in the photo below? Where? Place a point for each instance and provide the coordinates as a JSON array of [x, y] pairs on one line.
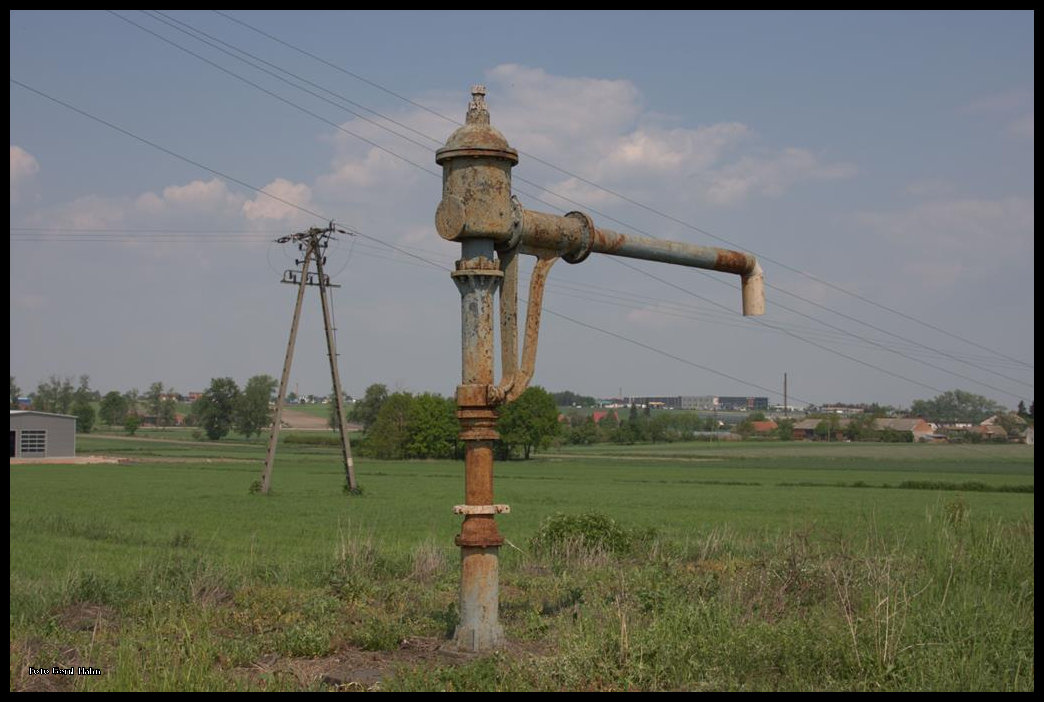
[[244, 184], [195, 31], [354, 231], [627, 199], [436, 174]]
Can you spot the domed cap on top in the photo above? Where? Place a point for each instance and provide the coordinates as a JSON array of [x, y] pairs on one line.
[[477, 137]]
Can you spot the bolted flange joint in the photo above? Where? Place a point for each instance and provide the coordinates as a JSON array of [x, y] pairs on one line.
[[479, 531], [478, 418]]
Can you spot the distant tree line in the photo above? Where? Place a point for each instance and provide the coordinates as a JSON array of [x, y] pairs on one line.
[[402, 425], [568, 398], [637, 426], [221, 409]]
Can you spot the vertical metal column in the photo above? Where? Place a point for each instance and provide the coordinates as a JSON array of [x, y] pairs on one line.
[[477, 277], [478, 211]]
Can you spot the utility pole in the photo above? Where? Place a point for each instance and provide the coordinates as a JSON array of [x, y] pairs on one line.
[[312, 244]]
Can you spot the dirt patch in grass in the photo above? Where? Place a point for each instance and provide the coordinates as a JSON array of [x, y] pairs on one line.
[[63, 460], [353, 669], [32, 661], [86, 616]]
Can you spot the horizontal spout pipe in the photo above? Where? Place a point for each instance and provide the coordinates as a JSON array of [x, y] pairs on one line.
[[573, 237]]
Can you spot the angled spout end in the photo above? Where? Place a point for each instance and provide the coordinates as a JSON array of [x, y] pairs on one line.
[[754, 292]]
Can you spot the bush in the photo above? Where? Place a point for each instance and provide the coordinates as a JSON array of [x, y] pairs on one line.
[[590, 530]]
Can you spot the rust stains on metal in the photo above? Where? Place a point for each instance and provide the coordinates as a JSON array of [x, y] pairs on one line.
[[479, 211], [733, 262], [608, 241]]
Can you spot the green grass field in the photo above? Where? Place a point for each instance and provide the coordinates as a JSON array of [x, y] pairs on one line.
[[745, 566]]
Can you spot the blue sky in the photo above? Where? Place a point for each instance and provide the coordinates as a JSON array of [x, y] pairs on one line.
[[880, 165]]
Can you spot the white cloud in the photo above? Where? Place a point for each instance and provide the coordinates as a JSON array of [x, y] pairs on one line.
[[280, 200], [537, 109], [1014, 105], [599, 130], [771, 175], [24, 167], [595, 130], [946, 241], [197, 203]]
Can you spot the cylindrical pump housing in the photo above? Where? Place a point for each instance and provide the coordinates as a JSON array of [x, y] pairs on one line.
[[476, 179]]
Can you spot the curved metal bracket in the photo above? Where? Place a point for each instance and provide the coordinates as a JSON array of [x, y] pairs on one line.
[[516, 377]]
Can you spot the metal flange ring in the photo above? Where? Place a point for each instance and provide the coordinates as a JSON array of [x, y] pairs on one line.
[[586, 238]]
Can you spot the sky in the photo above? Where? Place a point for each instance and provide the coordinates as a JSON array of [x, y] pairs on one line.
[[879, 165]]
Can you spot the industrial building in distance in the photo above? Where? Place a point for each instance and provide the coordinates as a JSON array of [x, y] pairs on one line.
[[693, 402]]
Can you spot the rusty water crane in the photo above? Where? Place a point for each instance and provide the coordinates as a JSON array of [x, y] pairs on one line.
[[479, 211]]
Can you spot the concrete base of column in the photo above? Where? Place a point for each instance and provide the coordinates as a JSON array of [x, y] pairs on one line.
[[479, 629]]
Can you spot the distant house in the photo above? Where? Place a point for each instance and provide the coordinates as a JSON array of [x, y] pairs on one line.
[[764, 428], [806, 429], [921, 430], [995, 420], [42, 434], [992, 432]]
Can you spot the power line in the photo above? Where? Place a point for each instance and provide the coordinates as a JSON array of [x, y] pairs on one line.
[[636, 203], [658, 212], [193, 32], [276, 96], [587, 293], [379, 241], [562, 197], [807, 341]]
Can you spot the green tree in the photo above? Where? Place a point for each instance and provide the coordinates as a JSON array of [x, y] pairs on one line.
[[785, 429], [132, 397], [955, 406], [861, 428], [15, 393], [331, 419], [82, 407], [54, 395], [154, 401], [113, 408], [584, 431], [131, 423], [828, 427], [389, 432], [529, 422], [252, 414], [365, 411], [432, 427], [85, 415], [168, 409], [215, 409], [1012, 423]]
